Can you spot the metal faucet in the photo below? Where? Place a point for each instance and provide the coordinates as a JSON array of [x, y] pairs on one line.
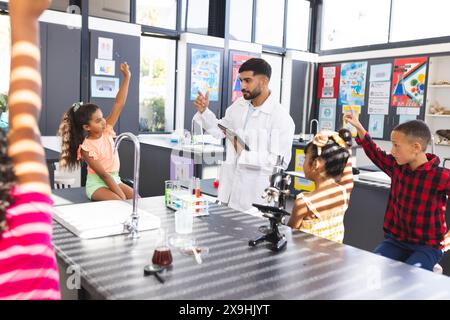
[[192, 131], [310, 125], [132, 226]]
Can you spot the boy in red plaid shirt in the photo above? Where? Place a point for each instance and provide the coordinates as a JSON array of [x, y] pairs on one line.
[[414, 223]]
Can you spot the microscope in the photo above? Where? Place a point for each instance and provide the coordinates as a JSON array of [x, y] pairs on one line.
[[276, 196]]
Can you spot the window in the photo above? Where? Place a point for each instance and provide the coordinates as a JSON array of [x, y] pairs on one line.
[[157, 85], [110, 9], [415, 19], [197, 16], [241, 12], [5, 36], [297, 25], [157, 13], [270, 22], [351, 23], [275, 62]]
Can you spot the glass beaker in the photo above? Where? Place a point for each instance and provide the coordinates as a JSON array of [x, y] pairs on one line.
[[184, 220], [162, 256]]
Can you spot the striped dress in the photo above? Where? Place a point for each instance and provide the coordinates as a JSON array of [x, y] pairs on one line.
[[28, 269], [329, 226]]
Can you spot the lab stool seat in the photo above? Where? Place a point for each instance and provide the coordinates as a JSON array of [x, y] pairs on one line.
[[63, 180]]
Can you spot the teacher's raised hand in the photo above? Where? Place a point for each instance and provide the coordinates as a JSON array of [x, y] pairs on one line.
[[201, 102]]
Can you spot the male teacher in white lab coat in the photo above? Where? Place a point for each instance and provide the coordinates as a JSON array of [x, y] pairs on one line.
[[265, 127]]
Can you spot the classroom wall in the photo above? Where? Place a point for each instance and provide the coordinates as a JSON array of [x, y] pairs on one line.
[[60, 65]]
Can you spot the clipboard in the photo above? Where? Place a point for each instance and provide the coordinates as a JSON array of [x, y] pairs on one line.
[[232, 134]]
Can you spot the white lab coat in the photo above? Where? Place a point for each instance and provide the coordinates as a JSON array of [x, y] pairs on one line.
[[269, 132]]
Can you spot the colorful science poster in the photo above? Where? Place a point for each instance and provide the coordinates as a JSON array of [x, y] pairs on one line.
[[327, 114], [205, 73], [353, 83], [376, 125], [328, 82], [237, 60], [408, 84]]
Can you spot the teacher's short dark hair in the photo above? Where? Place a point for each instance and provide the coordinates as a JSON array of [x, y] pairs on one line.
[[258, 66]]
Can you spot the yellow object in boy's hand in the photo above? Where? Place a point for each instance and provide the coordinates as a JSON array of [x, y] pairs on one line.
[[350, 118]]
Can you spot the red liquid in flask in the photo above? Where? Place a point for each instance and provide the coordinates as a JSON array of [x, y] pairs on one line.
[[162, 257]]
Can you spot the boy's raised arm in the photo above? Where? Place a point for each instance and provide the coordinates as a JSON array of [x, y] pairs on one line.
[[380, 158]]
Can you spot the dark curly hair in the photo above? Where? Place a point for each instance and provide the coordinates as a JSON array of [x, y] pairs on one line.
[[72, 133], [335, 156], [7, 180]]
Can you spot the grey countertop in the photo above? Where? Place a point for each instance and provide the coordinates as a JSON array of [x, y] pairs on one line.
[[309, 268]]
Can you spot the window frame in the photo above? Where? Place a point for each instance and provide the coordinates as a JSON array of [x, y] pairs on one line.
[[175, 88], [317, 33]]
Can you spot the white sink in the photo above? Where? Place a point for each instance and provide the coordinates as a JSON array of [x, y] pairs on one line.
[[102, 219]]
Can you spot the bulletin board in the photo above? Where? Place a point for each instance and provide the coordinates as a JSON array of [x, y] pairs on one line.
[[379, 113]]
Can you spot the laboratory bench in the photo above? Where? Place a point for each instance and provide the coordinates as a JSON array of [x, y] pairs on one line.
[[309, 268]]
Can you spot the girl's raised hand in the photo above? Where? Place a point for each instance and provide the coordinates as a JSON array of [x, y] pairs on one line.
[[125, 69]]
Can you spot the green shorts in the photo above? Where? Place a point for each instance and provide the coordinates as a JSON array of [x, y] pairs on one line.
[[94, 182]]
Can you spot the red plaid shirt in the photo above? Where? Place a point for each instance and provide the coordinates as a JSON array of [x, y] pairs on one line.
[[417, 199]]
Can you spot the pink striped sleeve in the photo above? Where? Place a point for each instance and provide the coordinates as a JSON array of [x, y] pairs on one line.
[[28, 268]]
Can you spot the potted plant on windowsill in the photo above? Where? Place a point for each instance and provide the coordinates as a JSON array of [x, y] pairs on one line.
[[4, 111]]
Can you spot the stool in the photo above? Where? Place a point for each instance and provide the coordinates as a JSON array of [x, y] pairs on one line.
[[61, 180], [438, 269]]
